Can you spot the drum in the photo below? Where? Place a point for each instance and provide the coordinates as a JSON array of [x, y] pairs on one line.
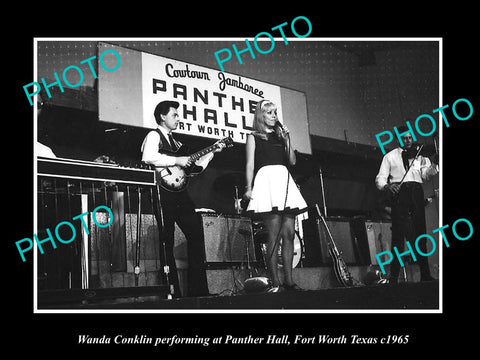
[[260, 236]]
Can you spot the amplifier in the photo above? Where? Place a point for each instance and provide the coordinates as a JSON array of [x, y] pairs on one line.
[[228, 238], [379, 236], [341, 232]]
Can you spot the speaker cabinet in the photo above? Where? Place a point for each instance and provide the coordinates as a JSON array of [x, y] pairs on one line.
[[379, 236], [342, 236], [358, 240], [228, 239]]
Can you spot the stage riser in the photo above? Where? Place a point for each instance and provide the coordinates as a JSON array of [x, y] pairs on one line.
[[226, 281], [397, 297], [123, 279], [230, 281], [223, 280]]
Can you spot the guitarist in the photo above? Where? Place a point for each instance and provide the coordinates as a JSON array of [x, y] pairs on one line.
[[401, 175], [177, 207]]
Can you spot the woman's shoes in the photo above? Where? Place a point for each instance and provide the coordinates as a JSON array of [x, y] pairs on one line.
[[274, 289]]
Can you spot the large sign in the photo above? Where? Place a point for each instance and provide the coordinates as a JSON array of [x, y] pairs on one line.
[[213, 104]]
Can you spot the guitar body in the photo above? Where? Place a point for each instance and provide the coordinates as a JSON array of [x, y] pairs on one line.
[[172, 178], [176, 178], [341, 270]]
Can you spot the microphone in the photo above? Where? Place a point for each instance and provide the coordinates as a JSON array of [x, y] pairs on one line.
[[279, 124], [281, 131]]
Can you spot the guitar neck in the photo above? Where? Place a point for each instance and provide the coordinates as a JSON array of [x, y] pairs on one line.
[[203, 152], [329, 238], [331, 244]]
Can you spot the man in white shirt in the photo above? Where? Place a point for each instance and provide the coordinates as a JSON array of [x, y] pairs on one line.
[[408, 202], [177, 207]]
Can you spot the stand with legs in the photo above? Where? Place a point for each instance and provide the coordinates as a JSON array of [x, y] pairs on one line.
[[166, 268]]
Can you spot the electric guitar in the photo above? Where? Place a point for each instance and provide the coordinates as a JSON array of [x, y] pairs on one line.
[[339, 266], [175, 178]]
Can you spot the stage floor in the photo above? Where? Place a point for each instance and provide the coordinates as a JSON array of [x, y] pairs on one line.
[[402, 296]]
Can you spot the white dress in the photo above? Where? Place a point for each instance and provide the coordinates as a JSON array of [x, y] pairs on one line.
[[274, 190]]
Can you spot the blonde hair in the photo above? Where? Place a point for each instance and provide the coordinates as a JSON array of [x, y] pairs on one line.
[[259, 127]]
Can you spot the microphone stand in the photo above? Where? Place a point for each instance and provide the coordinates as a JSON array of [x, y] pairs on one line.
[[137, 244], [247, 234], [166, 268], [323, 192]]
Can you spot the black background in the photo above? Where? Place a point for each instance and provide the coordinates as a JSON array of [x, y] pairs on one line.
[[56, 335]]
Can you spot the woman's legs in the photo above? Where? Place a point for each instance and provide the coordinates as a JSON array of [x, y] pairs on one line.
[[280, 228], [273, 225], [288, 236]]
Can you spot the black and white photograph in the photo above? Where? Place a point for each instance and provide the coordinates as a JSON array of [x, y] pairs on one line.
[[234, 190], [281, 186]]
